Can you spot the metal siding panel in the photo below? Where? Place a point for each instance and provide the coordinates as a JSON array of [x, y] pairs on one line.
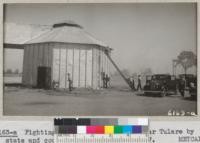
[[76, 68], [45, 54], [40, 54], [37, 60], [69, 63], [89, 69], [62, 67], [55, 65], [31, 65], [59, 62], [92, 68], [95, 68], [66, 68], [28, 65], [35, 65], [24, 76], [99, 68], [82, 68], [108, 66], [23, 68], [72, 67], [85, 68], [104, 62], [79, 67], [51, 59]]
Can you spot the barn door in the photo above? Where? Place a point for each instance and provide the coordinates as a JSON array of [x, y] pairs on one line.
[[44, 77]]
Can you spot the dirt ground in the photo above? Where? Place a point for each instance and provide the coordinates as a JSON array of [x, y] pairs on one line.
[[82, 102]]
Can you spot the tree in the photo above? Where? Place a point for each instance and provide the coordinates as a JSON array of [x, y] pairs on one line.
[[186, 59]]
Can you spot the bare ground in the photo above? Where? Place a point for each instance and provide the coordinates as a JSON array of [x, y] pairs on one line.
[[109, 102]]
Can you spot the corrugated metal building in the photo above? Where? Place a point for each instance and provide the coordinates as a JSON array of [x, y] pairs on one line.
[[66, 49]]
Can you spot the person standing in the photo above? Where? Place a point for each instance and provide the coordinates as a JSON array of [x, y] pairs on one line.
[[103, 79], [132, 82], [182, 86], [107, 79], [139, 86], [70, 82]]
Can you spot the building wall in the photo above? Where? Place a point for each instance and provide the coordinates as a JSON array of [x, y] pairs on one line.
[[85, 64], [82, 62], [34, 56]]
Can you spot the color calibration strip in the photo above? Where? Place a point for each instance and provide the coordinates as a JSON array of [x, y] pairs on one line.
[[101, 130], [101, 126]]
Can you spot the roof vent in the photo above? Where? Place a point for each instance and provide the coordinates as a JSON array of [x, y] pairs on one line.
[[67, 23]]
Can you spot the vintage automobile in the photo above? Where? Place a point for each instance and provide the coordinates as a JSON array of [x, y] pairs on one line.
[[160, 84], [190, 84]]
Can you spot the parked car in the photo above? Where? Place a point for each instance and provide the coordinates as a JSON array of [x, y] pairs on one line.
[[189, 85], [160, 84]]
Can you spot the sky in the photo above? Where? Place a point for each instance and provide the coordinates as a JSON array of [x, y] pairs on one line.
[[141, 35]]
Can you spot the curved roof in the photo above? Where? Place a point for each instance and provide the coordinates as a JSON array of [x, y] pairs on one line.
[[66, 32]]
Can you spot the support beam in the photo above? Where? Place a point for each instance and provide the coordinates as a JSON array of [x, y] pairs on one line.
[[109, 57]]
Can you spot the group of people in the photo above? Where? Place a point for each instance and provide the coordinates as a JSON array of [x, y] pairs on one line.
[[106, 80], [132, 83]]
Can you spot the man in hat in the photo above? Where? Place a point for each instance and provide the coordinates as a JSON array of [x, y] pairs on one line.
[[139, 86], [106, 80], [132, 82]]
